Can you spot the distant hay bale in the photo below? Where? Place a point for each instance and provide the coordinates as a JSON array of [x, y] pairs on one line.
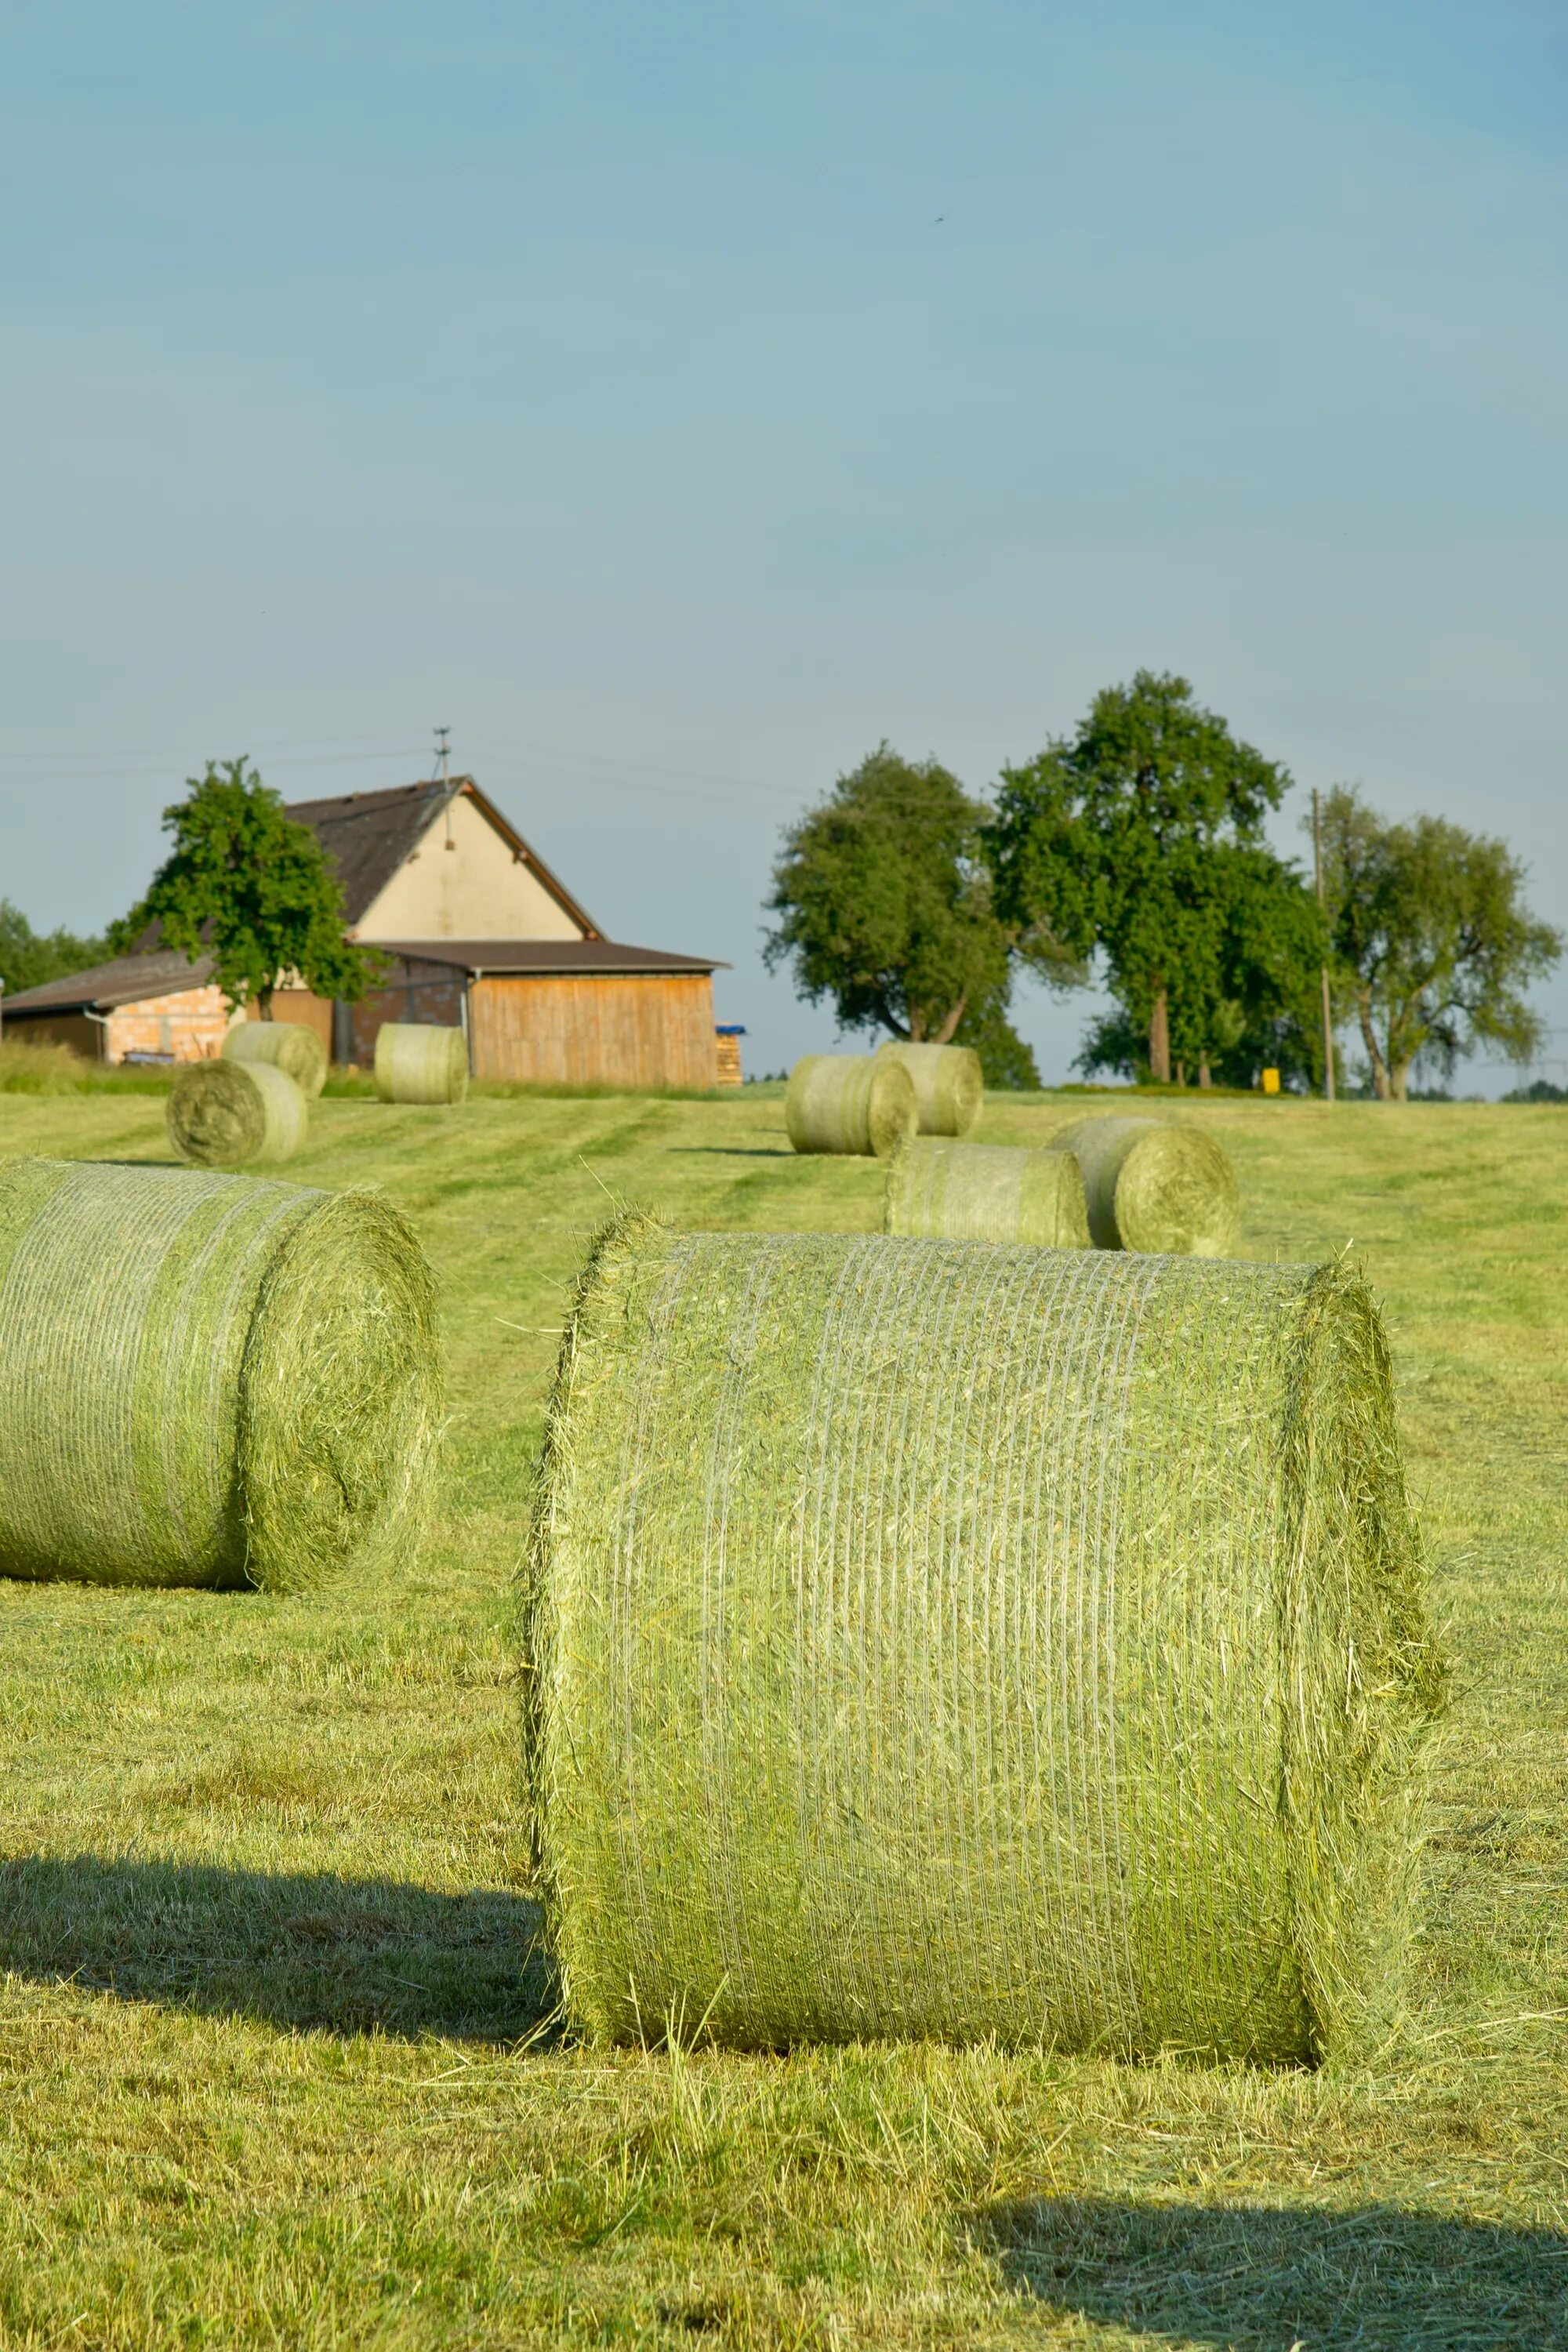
[[285, 1045], [1151, 1185], [415, 1061], [208, 1380], [950, 1086], [928, 1639], [226, 1114], [985, 1193], [851, 1103]]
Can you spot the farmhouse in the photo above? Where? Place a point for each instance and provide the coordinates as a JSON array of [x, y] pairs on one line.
[[476, 931]]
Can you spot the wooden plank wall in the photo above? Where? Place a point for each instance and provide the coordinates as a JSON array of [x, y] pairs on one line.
[[640, 1029], [299, 1004]]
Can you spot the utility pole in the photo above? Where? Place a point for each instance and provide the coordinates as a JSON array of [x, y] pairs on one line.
[[443, 751], [1328, 1017]]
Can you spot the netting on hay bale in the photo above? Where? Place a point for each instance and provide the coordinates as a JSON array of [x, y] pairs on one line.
[[208, 1380], [950, 1086], [985, 1193], [1153, 1186], [857, 1104], [930, 1639], [287, 1045], [228, 1114], [417, 1062]]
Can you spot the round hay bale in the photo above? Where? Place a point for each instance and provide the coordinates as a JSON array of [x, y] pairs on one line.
[[930, 1639], [418, 1063], [853, 1103], [287, 1046], [950, 1086], [208, 1380], [1149, 1185], [224, 1113], [985, 1193]]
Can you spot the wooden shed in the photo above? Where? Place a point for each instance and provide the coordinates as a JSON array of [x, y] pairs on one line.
[[477, 932]]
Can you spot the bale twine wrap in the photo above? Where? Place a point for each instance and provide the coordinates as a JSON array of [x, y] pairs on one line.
[[985, 1193], [950, 1086], [933, 1638], [287, 1046], [1151, 1185], [854, 1103], [208, 1380], [418, 1063], [223, 1114]]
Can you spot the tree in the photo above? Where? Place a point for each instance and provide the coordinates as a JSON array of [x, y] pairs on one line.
[[885, 904], [1005, 1061], [1431, 940], [1143, 833], [248, 887], [29, 958]]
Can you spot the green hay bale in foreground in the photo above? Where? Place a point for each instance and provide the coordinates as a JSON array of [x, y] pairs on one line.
[[287, 1046], [985, 1193], [930, 1639], [1152, 1186], [950, 1086], [418, 1063], [228, 1114], [208, 1380], [851, 1103]]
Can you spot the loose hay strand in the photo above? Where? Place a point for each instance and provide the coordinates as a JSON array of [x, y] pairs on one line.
[[228, 1114], [417, 1062], [928, 1638], [985, 1193], [855, 1104], [287, 1046], [950, 1085], [1151, 1185], [208, 1380]]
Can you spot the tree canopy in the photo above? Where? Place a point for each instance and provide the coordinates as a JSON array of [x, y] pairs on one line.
[[1432, 942], [1143, 835], [884, 900], [29, 958], [252, 890]]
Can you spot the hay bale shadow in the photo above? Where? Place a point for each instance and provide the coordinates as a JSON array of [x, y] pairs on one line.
[[340, 1955], [1261, 2279]]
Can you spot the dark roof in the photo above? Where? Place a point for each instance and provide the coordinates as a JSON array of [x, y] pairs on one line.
[[126, 981], [547, 955], [369, 835]]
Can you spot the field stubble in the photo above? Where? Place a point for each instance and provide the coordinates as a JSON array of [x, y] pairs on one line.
[[274, 2062]]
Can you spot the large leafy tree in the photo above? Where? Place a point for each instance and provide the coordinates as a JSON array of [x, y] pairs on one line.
[[252, 890], [29, 958], [1433, 944], [1142, 834], [885, 906]]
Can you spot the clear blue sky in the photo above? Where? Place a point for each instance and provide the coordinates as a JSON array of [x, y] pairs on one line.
[[603, 382]]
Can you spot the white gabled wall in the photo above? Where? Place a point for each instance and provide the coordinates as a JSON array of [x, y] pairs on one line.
[[478, 889]]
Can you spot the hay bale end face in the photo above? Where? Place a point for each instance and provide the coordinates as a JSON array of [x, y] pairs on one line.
[[856, 1104], [415, 1061], [287, 1045], [229, 1114], [985, 1193], [208, 1380], [935, 1640], [1152, 1186], [950, 1085]]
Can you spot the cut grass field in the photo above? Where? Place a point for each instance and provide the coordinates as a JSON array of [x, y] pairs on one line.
[[274, 2060]]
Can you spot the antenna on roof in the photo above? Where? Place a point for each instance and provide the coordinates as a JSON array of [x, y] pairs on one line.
[[442, 751]]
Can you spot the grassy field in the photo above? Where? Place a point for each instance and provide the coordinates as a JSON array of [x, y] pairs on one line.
[[274, 2064]]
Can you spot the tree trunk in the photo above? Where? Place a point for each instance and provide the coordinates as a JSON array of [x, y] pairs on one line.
[[264, 1002], [944, 1034], [1160, 1037], [1399, 1082], [1204, 1078], [1180, 1073], [1380, 1081]]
